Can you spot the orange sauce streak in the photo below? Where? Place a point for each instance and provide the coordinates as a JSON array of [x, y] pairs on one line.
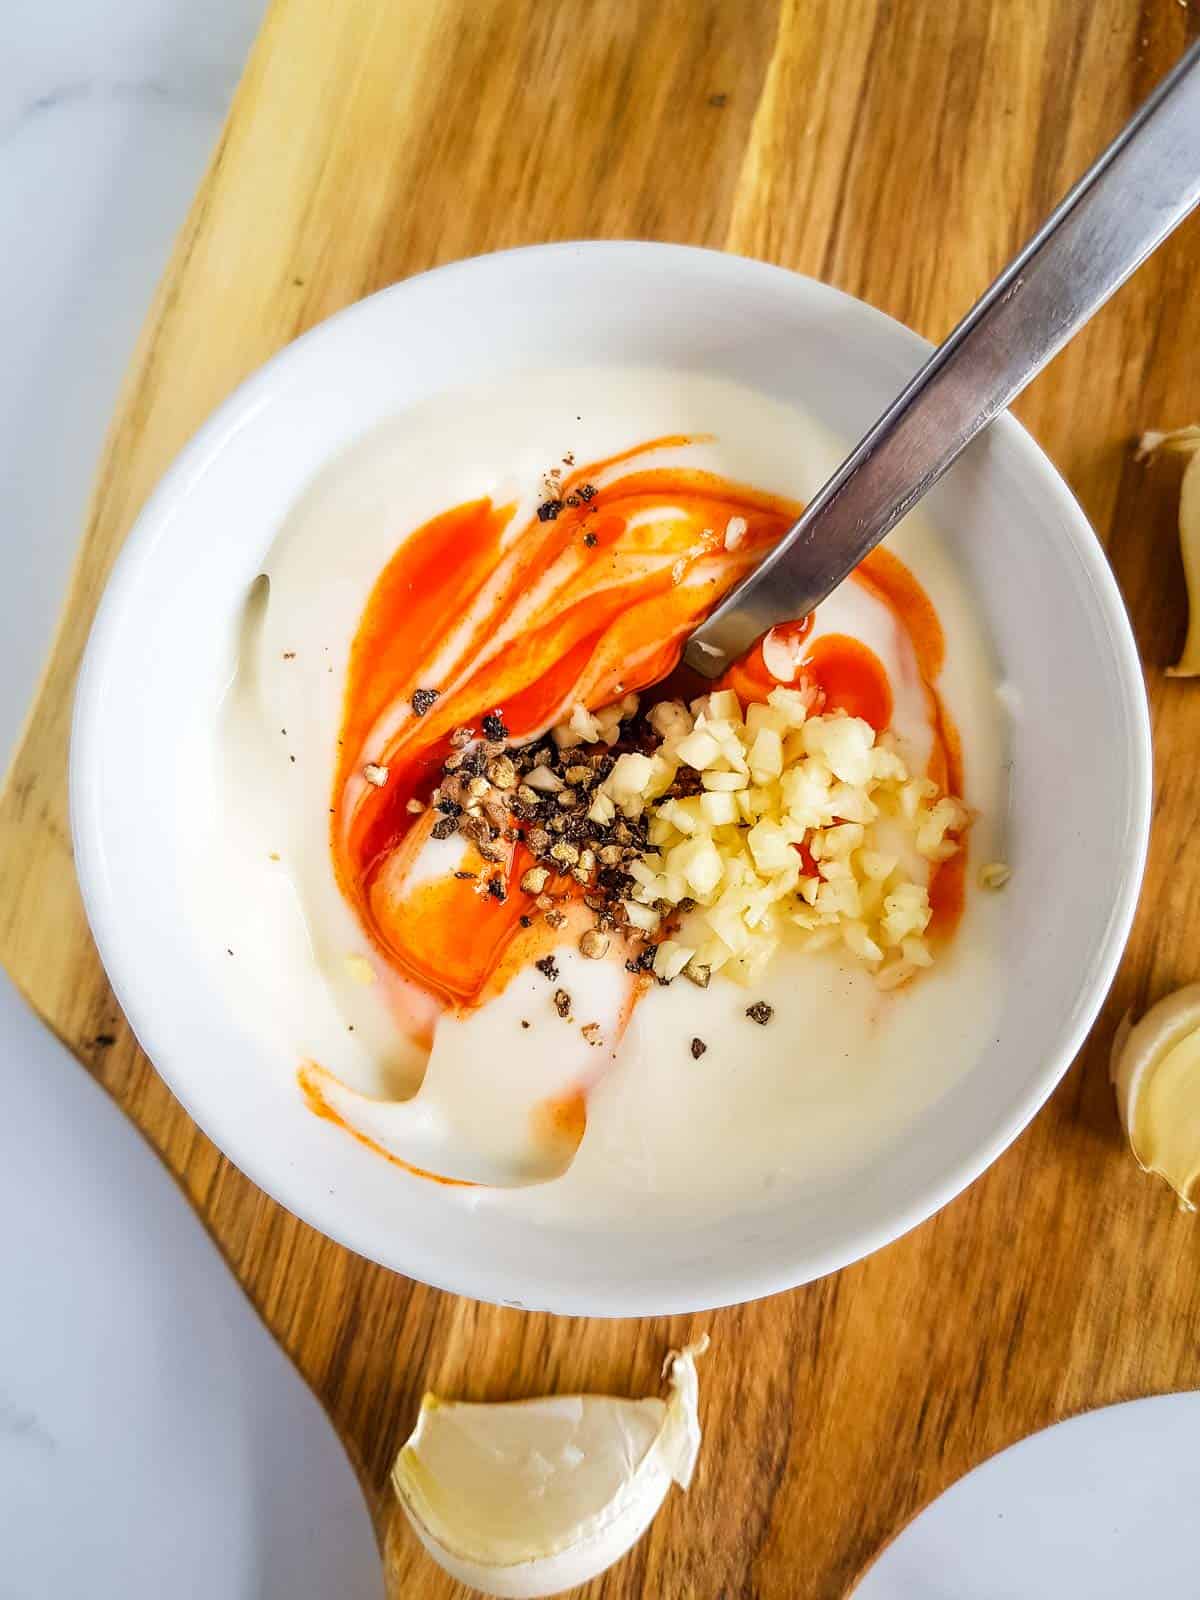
[[887, 575], [852, 678], [891, 580], [482, 927], [408, 609], [526, 620], [561, 1121], [309, 1078]]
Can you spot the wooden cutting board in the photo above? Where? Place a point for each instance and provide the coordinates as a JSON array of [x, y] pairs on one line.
[[898, 148]]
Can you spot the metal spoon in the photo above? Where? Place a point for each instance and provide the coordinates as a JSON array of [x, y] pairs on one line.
[[1136, 194]]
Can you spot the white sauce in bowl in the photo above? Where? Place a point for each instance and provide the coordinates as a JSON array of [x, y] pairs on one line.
[[821, 1090]]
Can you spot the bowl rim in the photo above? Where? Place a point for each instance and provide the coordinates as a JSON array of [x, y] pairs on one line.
[[728, 1284]]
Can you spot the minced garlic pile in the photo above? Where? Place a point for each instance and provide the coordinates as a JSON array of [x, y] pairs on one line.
[[722, 862]]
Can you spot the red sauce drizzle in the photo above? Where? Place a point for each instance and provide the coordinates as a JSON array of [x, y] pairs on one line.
[[525, 621]]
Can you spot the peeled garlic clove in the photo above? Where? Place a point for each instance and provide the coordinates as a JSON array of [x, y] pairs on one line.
[[532, 1497], [1185, 441], [1156, 1075]]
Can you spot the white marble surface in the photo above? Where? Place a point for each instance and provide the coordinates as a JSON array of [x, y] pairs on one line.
[[153, 1441]]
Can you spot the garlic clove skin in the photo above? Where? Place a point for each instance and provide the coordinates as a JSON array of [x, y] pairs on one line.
[[1188, 665], [1155, 1070], [535, 1497], [1184, 441]]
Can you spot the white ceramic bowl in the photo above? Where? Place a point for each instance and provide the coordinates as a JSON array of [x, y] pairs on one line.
[[157, 658]]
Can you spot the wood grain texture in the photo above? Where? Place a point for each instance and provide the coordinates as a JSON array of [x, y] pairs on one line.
[[901, 149]]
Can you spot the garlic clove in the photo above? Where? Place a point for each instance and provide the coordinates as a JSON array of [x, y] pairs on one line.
[[1188, 665], [1155, 1071], [1185, 441], [533, 1497]]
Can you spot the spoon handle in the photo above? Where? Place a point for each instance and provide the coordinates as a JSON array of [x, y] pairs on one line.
[[1121, 210]]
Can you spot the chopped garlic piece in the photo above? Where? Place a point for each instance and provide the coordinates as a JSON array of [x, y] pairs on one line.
[[670, 959], [626, 784], [699, 749], [766, 755], [545, 781], [718, 809], [721, 706], [723, 782], [670, 719], [793, 705], [860, 941], [641, 917], [876, 866], [703, 867]]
